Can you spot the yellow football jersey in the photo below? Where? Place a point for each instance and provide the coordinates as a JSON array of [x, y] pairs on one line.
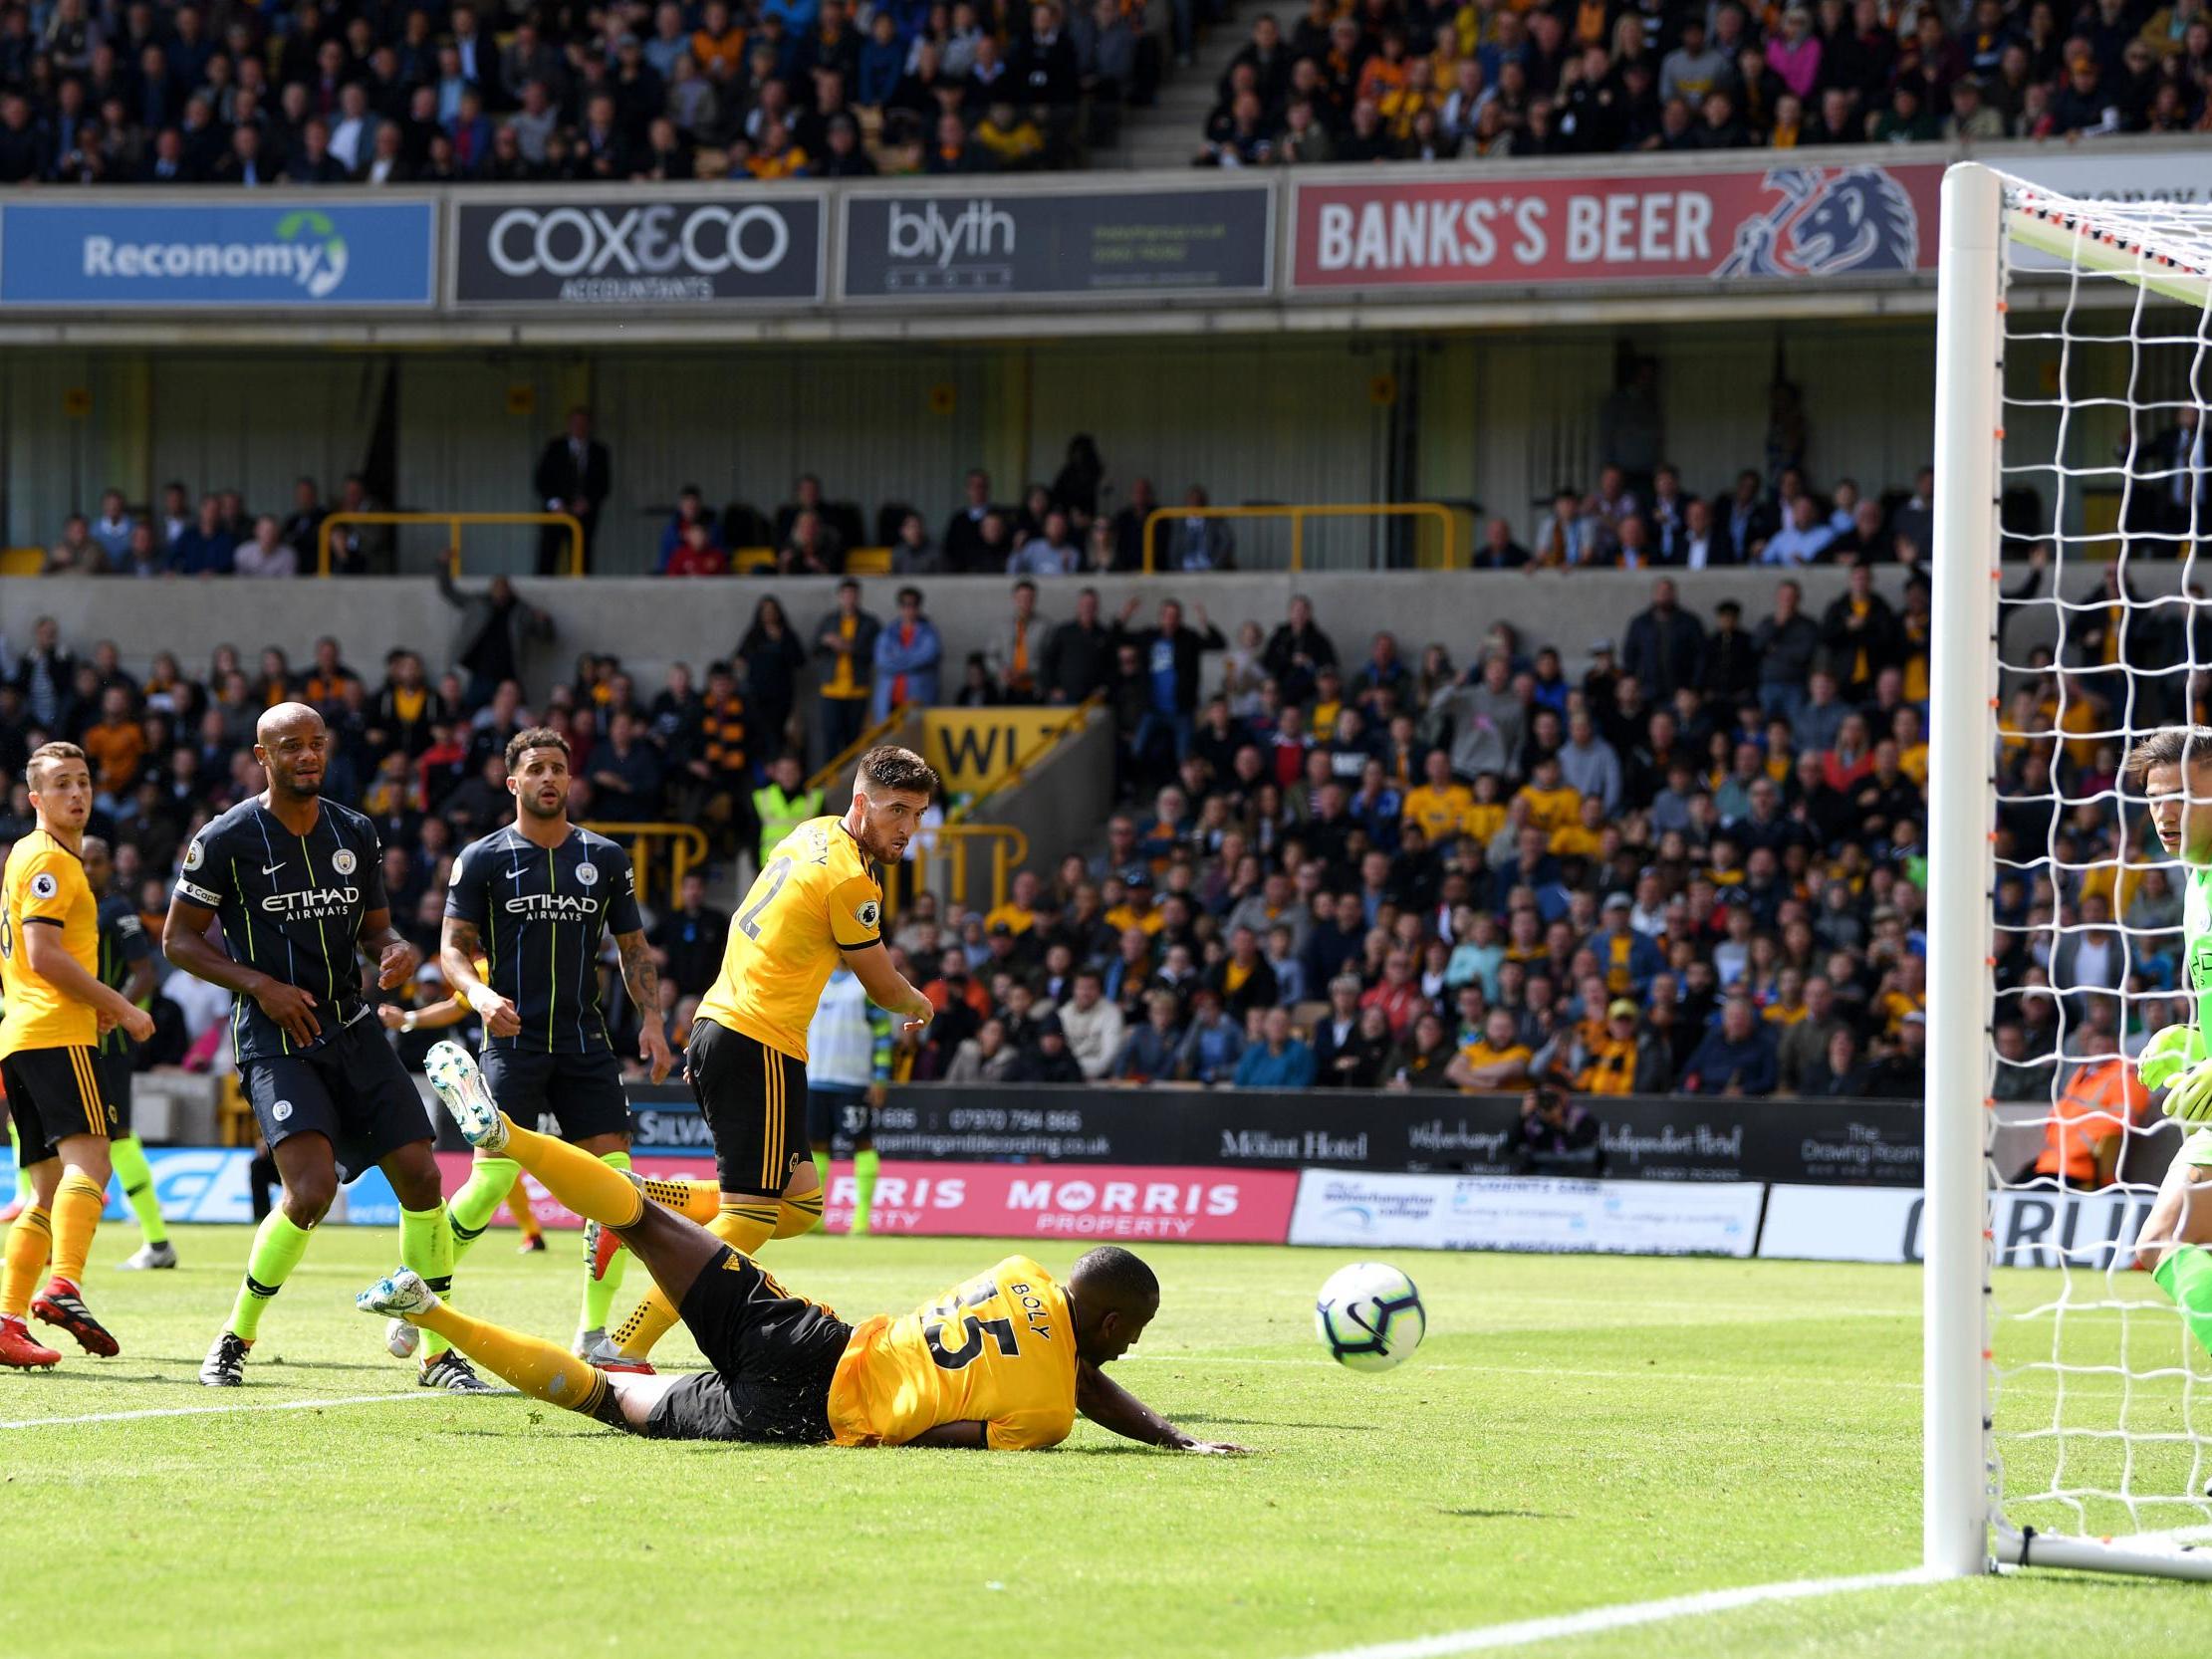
[[1439, 811], [999, 1349], [816, 895], [45, 886]]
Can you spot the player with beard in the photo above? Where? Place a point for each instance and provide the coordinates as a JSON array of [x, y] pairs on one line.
[[126, 967], [298, 883], [526, 914], [819, 898]]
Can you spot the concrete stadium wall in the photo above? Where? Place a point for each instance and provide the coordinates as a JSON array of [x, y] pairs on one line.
[[651, 623], [1496, 418]]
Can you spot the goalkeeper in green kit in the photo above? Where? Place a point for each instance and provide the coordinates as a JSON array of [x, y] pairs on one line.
[[2172, 771]]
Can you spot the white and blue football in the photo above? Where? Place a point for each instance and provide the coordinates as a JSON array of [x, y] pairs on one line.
[[1369, 1317]]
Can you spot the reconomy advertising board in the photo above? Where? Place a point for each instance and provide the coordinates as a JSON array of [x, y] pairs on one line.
[[334, 255], [639, 249], [1525, 1212], [985, 245]]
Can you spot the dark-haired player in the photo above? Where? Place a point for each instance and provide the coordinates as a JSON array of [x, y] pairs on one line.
[[818, 900], [56, 1011], [126, 965], [532, 903], [1003, 1361], [297, 882], [2172, 771]]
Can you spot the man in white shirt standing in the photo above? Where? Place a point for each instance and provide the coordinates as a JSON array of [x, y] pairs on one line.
[[1092, 1026]]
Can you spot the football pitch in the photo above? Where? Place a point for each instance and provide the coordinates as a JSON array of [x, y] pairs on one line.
[[1577, 1433]]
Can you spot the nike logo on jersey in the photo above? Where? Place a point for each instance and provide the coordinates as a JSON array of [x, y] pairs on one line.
[[515, 874], [271, 870]]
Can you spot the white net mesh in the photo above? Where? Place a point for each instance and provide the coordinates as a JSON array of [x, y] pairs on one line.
[[2100, 1409]]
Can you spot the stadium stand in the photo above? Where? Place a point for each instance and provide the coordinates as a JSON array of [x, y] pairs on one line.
[[1429, 84], [797, 89], [109, 94], [1688, 858]]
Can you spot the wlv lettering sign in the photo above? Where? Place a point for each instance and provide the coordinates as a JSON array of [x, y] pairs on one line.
[[974, 748]]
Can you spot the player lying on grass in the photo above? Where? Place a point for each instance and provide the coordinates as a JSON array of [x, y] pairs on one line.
[[2172, 771], [1004, 1362]]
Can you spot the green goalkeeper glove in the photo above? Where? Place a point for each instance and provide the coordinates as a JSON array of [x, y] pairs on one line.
[[2190, 1100], [2169, 1054]]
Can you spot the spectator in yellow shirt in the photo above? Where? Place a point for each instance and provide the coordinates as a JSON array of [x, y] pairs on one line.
[[1586, 837], [1497, 1063], [1908, 995], [1488, 815], [1912, 744], [1610, 1056], [1554, 804], [776, 156], [1018, 912], [1402, 104], [1441, 805], [1127, 907], [717, 45], [1014, 141], [1329, 702]]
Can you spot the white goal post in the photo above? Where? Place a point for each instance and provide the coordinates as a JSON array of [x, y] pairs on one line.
[[2067, 1413]]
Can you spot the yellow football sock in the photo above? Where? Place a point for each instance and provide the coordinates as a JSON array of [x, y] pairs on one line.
[[795, 1216], [518, 1206], [699, 1200], [743, 1225], [76, 1206], [594, 1191], [30, 1242], [543, 1371]]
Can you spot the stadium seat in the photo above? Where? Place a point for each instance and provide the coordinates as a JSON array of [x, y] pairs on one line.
[[868, 562], [744, 526], [750, 560], [22, 561]]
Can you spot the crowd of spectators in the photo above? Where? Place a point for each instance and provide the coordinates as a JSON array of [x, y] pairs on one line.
[[1695, 865], [1691, 857], [419, 748], [1387, 82], [217, 535], [124, 91]]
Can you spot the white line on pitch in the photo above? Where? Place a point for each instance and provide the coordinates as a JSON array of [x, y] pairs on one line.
[[419, 1396], [1598, 1620]]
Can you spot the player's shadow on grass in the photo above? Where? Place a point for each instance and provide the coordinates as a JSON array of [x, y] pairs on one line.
[[273, 1372], [1507, 1514], [1274, 1423]]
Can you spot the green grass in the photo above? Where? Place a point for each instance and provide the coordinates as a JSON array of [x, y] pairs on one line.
[[1575, 1433]]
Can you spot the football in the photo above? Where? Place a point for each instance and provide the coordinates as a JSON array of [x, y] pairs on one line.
[[1369, 1317]]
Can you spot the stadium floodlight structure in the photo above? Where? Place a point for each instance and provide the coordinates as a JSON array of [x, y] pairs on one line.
[[2067, 1411]]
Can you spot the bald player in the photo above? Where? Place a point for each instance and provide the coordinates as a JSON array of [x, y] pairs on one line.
[[1003, 1361], [297, 882]]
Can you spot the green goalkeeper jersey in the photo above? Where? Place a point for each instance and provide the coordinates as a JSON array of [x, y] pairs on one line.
[[2196, 934]]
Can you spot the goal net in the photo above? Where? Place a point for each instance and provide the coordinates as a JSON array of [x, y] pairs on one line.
[[2068, 1408]]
